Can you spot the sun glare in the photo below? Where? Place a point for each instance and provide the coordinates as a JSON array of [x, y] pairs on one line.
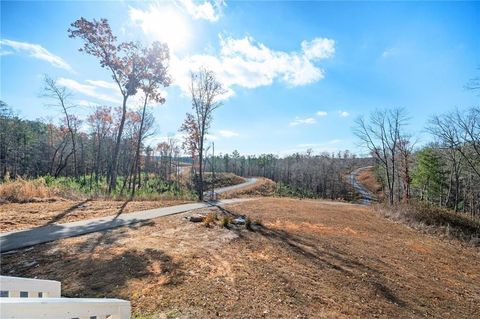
[[164, 24]]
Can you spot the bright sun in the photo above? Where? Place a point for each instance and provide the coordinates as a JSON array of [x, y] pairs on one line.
[[164, 24]]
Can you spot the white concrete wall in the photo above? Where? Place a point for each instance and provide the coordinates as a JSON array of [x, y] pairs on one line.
[[51, 305], [64, 308], [15, 285]]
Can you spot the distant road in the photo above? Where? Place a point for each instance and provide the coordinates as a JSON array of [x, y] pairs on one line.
[[367, 196], [248, 182], [30, 237]]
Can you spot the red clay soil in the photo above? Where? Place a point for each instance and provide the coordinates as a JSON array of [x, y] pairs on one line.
[[310, 259]]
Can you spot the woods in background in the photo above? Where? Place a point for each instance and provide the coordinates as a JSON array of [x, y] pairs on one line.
[[31, 149], [306, 175], [445, 172]]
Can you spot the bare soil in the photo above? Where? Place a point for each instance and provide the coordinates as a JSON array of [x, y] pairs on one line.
[[16, 216], [367, 178], [308, 259]]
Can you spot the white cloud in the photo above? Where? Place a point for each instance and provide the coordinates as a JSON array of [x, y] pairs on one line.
[[207, 10], [319, 48], [5, 52], [86, 103], [154, 140], [104, 91], [36, 51], [211, 137], [103, 84], [306, 121], [322, 113], [249, 64], [317, 148], [389, 53], [343, 113], [227, 133], [90, 90]]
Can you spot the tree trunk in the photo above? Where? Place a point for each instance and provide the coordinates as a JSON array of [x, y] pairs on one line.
[[113, 169]]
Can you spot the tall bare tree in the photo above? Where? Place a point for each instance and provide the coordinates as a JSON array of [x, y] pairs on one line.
[[153, 64], [61, 95], [206, 92], [381, 135]]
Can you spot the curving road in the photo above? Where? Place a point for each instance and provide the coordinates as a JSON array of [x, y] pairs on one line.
[[366, 195], [248, 182], [30, 237]]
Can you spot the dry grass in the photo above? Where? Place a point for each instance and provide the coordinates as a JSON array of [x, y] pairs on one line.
[[311, 259], [435, 220], [210, 219], [16, 216], [367, 178], [23, 191]]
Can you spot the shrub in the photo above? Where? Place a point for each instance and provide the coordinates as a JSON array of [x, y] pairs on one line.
[[226, 221], [210, 219], [248, 223], [22, 191]]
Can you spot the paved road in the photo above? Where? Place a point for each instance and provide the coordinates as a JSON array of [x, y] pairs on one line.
[[367, 197], [30, 237], [248, 182]]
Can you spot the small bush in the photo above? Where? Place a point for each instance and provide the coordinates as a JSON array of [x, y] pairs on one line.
[[22, 191], [248, 223], [210, 219], [226, 221]]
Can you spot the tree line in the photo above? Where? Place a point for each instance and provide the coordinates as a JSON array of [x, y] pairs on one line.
[[322, 175], [35, 148], [445, 172]]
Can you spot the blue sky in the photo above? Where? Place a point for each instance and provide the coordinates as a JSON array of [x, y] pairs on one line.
[[297, 73]]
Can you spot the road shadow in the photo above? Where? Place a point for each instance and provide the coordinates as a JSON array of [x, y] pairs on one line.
[[67, 211], [122, 208]]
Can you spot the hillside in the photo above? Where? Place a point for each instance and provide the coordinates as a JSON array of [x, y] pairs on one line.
[[307, 259]]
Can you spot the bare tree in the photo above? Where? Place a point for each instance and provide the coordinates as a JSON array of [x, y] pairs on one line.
[[206, 93], [381, 135], [153, 64], [61, 95]]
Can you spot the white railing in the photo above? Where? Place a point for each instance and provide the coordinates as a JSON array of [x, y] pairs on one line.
[[33, 298]]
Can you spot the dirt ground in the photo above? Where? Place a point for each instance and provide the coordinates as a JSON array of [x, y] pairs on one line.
[[367, 178], [308, 259], [16, 216]]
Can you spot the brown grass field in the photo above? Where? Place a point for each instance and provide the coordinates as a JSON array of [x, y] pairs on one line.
[[308, 259], [16, 216]]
